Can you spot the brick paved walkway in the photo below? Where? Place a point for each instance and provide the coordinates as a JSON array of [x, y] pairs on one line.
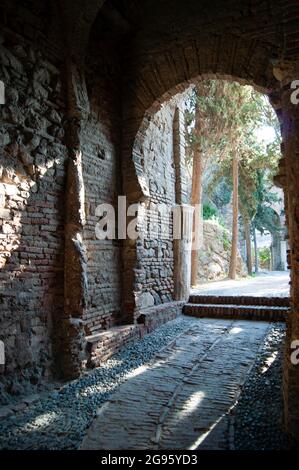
[[183, 398]]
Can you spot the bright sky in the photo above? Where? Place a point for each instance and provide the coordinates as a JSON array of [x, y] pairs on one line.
[[265, 134]]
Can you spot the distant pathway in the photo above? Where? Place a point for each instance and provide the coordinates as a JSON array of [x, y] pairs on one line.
[[268, 284], [182, 399]]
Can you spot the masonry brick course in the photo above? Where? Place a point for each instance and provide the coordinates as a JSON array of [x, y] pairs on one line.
[[103, 345]]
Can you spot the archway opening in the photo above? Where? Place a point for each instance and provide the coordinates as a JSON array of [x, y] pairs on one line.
[[212, 120], [232, 156], [161, 162]]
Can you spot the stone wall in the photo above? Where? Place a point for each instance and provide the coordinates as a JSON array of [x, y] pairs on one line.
[[155, 166], [214, 256], [102, 180], [32, 157], [32, 192], [287, 178]]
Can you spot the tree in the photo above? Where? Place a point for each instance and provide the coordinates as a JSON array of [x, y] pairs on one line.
[[234, 248], [247, 112], [210, 122], [256, 258], [196, 193], [247, 207], [221, 123], [205, 118]]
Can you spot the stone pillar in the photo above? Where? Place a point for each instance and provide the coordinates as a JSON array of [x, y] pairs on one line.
[[72, 338], [183, 222], [283, 249], [286, 72], [277, 264]]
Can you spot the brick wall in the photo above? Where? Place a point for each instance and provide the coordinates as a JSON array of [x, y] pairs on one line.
[[102, 179], [156, 168], [32, 157], [103, 345]]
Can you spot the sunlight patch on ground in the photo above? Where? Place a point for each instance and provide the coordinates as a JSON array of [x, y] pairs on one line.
[[202, 437], [192, 404], [235, 330], [269, 362]]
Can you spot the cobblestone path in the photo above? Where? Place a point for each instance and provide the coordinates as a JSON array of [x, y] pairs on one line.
[[183, 398]]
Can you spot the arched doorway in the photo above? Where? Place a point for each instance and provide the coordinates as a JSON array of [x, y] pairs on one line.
[[159, 69]]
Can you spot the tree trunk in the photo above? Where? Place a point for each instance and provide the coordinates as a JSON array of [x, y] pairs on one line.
[[256, 259], [234, 248], [196, 202], [248, 246]]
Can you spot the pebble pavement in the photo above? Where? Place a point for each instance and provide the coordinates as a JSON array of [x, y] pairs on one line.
[[258, 415], [60, 419]]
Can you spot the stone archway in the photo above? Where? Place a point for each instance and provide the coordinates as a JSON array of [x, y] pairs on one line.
[[167, 44], [257, 56], [135, 176]]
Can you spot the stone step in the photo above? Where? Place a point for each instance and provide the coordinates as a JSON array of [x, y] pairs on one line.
[[240, 312], [239, 300]]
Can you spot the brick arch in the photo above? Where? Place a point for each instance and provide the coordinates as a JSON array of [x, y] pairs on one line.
[[175, 90], [157, 74], [134, 179], [166, 50], [176, 43], [159, 80]]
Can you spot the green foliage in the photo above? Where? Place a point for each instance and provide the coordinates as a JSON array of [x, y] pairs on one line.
[[226, 241], [209, 212], [224, 110], [265, 219], [265, 257], [229, 118]]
